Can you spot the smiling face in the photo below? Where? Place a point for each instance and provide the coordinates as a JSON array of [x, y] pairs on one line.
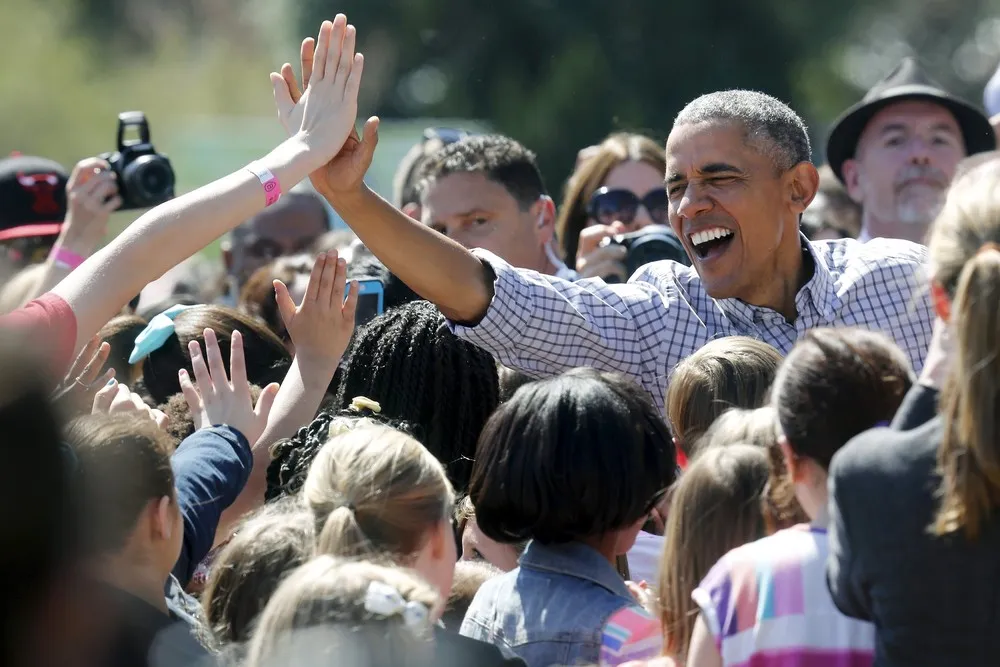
[[905, 160], [736, 215]]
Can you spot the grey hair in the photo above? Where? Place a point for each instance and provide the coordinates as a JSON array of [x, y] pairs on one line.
[[769, 124]]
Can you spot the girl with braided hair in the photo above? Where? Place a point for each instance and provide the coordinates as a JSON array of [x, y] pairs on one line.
[[410, 362]]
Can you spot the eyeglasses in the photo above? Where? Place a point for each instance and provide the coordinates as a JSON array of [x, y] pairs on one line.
[[446, 135], [608, 205]]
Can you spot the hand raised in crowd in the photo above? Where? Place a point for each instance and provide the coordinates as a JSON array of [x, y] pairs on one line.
[[76, 393], [596, 261], [117, 399], [322, 325], [92, 196], [215, 400], [346, 171], [325, 113]]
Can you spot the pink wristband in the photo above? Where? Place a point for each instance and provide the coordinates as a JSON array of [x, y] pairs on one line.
[[272, 188], [66, 259]]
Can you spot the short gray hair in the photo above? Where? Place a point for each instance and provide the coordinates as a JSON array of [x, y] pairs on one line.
[[769, 124]]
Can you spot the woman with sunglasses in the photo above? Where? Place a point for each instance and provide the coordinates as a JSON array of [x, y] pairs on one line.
[[617, 188]]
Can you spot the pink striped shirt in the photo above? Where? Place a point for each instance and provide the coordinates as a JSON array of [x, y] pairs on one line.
[[767, 605]]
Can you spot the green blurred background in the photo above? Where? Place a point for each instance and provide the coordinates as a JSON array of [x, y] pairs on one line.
[[555, 74]]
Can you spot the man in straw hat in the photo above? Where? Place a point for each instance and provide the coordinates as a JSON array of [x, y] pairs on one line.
[[897, 149]]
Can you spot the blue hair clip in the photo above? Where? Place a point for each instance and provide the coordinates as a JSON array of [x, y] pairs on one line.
[[155, 334]]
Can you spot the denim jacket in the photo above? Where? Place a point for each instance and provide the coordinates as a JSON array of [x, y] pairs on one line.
[[552, 609]]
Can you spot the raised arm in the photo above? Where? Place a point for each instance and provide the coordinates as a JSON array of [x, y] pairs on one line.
[[171, 232], [434, 266]]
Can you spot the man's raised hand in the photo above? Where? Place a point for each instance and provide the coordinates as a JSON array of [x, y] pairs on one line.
[[324, 114], [345, 172]]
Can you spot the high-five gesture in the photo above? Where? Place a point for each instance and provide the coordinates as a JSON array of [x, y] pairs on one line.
[[346, 171], [321, 326], [216, 400], [324, 115]]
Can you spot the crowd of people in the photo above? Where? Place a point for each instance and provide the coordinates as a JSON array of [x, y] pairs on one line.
[[716, 407]]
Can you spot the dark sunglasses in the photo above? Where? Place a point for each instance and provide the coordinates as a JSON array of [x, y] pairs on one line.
[[446, 135], [608, 205]]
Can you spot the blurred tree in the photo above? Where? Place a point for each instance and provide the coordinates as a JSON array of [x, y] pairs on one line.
[[558, 74]]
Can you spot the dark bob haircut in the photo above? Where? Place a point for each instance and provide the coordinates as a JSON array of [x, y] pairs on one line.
[[575, 456]]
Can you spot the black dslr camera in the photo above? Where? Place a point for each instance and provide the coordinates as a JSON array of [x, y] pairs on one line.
[[145, 177], [652, 243]]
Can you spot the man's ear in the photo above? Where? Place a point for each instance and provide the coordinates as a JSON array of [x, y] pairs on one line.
[[791, 460], [544, 212], [852, 179], [803, 183]]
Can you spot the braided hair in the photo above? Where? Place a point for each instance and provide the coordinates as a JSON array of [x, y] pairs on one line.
[[292, 457], [421, 373]]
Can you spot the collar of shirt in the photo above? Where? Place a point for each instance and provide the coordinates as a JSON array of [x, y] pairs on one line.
[[816, 302], [576, 560]]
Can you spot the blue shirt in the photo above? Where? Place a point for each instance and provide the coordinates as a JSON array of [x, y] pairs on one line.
[[211, 467], [552, 609]]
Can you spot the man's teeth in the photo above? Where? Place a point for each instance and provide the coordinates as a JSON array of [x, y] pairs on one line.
[[707, 235]]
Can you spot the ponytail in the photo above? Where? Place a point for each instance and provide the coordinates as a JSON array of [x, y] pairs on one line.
[[969, 457], [341, 535]]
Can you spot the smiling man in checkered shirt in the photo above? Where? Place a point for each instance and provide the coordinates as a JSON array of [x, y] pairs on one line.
[[739, 174]]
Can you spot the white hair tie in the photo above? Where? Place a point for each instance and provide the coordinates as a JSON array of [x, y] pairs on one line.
[[384, 601]]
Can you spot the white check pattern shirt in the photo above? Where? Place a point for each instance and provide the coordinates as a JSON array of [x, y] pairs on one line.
[[544, 325]]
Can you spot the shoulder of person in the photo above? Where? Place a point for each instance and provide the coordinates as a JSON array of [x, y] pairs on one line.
[[872, 456], [666, 275], [454, 649], [875, 255]]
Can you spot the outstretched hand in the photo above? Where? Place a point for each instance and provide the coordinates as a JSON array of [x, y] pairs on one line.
[[346, 170], [217, 400], [322, 325]]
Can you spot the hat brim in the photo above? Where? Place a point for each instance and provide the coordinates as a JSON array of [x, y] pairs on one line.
[[36, 229], [842, 142]]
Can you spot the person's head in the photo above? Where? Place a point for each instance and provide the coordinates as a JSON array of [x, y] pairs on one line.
[[46, 617], [486, 192], [363, 614], [510, 381], [120, 333], [759, 428], [267, 359], [731, 372], [832, 213], [738, 178], [965, 272], [834, 384], [904, 161], [477, 547], [289, 227], [32, 207], [264, 549], [376, 493], [258, 300], [131, 512], [406, 181], [470, 575], [716, 507], [628, 170], [583, 456], [421, 373]]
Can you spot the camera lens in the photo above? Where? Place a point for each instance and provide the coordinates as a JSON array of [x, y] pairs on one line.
[[149, 179]]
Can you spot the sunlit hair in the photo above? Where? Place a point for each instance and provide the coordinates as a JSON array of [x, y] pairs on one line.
[[590, 175], [965, 259], [318, 615], [374, 492], [265, 548], [731, 372], [716, 507]]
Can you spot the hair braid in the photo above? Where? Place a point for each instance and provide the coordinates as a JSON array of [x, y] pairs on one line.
[[420, 372]]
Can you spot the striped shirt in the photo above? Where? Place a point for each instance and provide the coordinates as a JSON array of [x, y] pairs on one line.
[[767, 605], [543, 325]]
